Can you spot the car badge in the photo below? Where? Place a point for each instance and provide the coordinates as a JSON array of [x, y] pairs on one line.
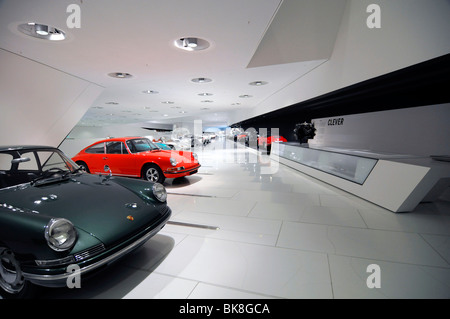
[[129, 217]]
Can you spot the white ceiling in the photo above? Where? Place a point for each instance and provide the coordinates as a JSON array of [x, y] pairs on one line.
[[137, 37]]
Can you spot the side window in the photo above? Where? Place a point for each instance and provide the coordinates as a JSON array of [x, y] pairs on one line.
[[131, 146], [31, 165], [115, 148], [5, 161], [96, 149]]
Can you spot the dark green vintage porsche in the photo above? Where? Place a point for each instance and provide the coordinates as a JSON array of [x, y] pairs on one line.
[[57, 221]]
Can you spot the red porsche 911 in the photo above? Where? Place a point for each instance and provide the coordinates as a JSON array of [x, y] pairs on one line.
[[136, 157]]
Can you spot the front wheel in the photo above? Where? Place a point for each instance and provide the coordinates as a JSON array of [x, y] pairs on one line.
[[153, 173], [83, 166], [12, 283]]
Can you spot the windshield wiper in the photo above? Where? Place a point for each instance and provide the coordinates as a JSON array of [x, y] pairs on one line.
[[79, 169], [49, 176]]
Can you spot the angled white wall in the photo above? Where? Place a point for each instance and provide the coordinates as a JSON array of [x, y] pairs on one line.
[[412, 31], [39, 104]]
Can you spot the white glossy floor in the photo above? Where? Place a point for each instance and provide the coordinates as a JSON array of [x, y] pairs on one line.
[[281, 235]]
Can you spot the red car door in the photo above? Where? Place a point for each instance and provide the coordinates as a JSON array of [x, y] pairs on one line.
[[119, 160], [93, 156]]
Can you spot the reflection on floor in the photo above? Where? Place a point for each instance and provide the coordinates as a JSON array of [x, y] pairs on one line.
[[281, 234]]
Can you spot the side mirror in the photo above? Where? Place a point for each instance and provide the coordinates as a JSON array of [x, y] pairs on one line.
[[20, 160], [106, 178], [107, 169]]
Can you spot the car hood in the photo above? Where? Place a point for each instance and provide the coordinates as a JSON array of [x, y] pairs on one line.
[[108, 210], [182, 157]]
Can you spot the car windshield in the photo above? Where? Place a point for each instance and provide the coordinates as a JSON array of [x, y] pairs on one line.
[[138, 145], [18, 166]]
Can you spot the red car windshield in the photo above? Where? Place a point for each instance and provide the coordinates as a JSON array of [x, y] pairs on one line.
[[141, 145]]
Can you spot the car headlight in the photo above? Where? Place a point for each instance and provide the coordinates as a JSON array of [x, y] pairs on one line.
[[60, 234], [195, 156], [160, 192], [173, 161]]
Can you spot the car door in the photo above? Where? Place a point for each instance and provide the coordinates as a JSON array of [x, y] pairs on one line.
[[94, 158], [119, 160]]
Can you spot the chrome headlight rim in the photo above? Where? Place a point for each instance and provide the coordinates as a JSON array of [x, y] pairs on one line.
[[173, 161], [195, 156], [63, 228], [159, 191]]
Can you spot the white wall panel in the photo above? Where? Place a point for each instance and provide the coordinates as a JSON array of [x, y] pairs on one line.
[[421, 131], [39, 104], [412, 31]]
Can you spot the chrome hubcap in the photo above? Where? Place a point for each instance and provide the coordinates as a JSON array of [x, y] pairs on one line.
[[152, 174], [11, 278]]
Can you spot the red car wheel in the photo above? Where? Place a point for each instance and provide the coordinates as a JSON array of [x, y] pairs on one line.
[[153, 173]]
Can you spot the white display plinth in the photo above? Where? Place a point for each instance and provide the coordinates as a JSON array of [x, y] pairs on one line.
[[396, 182]]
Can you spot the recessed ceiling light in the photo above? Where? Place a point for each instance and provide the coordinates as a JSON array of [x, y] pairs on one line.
[[42, 31], [236, 104], [205, 94], [150, 92], [201, 80], [207, 101], [120, 75], [183, 112], [165, 115], [204, 108], [245, 96], [168, 102], [258, 83], [191, 44], [112, 103]]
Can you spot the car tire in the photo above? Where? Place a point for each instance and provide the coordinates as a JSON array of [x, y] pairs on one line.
[[12, 283], [153, 173], [84, 166]]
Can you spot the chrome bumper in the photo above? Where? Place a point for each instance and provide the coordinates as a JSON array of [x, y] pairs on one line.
[[59, 280]]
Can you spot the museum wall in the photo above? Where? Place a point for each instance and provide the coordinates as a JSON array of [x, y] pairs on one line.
[[420, 131], [82, 136], [39, 104], [412, 31]]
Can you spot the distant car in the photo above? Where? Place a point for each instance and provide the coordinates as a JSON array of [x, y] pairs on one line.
[[137, 157], [266, 142], [55, 218], [242, 137]]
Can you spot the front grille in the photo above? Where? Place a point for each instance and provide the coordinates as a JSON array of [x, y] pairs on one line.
[[89, 252]]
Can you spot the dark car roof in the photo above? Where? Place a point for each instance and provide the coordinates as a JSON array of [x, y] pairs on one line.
[[23, 147]]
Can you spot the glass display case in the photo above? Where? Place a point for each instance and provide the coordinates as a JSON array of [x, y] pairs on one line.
[[350, 167]]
